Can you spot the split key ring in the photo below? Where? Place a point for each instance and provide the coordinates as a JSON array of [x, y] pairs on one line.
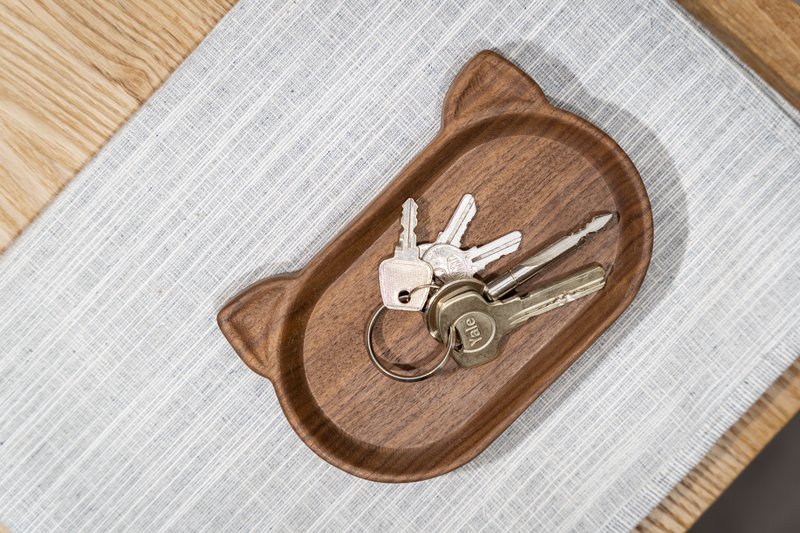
[[452, 342]]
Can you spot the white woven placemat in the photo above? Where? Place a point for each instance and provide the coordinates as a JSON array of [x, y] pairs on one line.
[[122, 406]]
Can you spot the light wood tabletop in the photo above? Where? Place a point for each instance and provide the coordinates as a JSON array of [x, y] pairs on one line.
[[73, 71]]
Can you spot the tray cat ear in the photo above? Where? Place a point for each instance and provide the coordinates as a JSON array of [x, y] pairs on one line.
[[490, 85], [252, 322]]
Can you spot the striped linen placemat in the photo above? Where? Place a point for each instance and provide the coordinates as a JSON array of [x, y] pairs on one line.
[[123, 407]]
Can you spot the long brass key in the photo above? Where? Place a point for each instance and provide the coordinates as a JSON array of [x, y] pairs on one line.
[[481, 324]]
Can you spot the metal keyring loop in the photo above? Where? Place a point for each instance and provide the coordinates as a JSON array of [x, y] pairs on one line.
[[451, 346]]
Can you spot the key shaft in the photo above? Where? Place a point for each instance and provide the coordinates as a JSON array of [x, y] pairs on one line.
[[516, 311], [408, 236], [459, 221], [482, 324], [531, 266]]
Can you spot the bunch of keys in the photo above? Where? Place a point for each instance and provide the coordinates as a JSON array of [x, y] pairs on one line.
[[406, 278], [465, 313]]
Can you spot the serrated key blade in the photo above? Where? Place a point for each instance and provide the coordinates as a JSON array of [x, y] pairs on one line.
[[571, 241], [408, 237], [535, 263], [481, 256], [597, 223], [459, 221], [561, 292]]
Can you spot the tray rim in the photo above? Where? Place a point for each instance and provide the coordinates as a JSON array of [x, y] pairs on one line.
[[454, 124]]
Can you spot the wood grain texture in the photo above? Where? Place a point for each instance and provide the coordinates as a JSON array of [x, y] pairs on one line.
[[71, 73], [531, 167], [765, 34]]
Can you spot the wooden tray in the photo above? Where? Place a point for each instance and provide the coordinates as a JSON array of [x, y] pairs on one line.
[[531, 167]]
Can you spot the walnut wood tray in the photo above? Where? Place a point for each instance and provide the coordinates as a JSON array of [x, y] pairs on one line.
[[530, 167]]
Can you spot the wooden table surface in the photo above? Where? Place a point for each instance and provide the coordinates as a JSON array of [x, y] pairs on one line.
[[73, 71]]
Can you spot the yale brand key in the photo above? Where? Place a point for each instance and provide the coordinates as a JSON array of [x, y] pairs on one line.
[[481, 323]]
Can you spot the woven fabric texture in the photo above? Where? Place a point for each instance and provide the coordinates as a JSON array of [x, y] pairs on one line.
[[122, 407]]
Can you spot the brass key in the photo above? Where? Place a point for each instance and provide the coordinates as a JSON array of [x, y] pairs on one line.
[[521, 273], [481, 323]]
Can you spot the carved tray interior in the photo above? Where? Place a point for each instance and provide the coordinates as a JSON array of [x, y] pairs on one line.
[[530, 167]]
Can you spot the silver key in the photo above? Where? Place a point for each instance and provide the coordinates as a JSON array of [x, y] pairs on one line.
[[457, 225], [524, 271], [481, 323], [450, 262], [528, 268], [445, 255], [401, 275]]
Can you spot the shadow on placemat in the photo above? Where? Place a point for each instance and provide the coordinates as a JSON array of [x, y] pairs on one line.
[[766, 496], [668, 202]]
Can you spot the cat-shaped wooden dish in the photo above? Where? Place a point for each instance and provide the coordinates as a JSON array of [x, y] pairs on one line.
[[531, 167]]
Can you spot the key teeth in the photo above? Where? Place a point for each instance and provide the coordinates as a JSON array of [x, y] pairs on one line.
[[408, 223], [590, 279], [598, 223], [459, 221]]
